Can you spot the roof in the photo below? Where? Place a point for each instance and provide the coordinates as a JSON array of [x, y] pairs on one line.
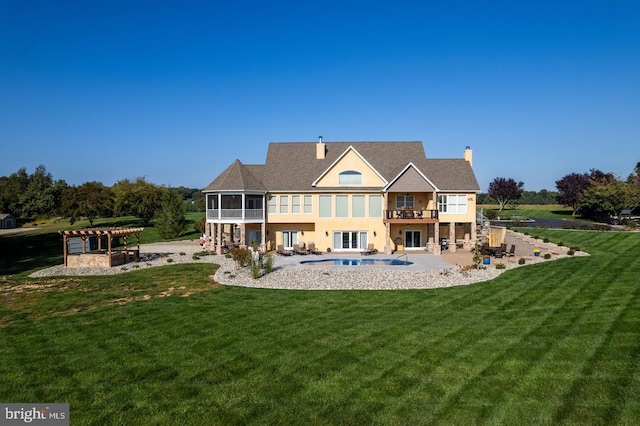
[[238, 177], [102, 231], [293, 166], [5, 215]]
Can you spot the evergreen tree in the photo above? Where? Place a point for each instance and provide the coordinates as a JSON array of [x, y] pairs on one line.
[[171, 222]]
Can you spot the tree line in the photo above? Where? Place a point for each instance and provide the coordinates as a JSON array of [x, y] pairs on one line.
[[589, 194], [30, 196]]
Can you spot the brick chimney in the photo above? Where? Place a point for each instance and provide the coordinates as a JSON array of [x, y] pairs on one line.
[[321, 149], [468, 155]]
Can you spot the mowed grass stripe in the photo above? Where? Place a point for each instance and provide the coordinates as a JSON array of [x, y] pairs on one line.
[[559, 337]]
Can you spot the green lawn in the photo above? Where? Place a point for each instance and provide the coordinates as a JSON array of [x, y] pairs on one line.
[[552, 343], [533, 210]]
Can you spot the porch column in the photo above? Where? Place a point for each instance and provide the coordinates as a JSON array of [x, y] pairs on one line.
[[436, 238], [218, 232], [243, 237], [452, 237], [387, 238], [109, 251], [263, 237]]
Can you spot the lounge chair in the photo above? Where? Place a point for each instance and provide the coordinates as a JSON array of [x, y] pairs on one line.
[[282, 251], [370, 250], [298, 250], [312, 249]]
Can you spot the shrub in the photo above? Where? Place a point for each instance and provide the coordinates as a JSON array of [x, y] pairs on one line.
[[228, 255], [267, 263], [500, 266], [547, 256], [545, 240], [169, 260], [182, 253], [536, 237], [241, 256], [195, 256], [560, 244], [255, 269], [571, 252], [200, 225], [521, 261], [574, 248], [490, 214]]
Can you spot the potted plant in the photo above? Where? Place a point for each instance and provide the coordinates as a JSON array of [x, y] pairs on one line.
[[536, 252]]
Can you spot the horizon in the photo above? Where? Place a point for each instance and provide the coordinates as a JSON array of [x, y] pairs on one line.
[[175, 93]]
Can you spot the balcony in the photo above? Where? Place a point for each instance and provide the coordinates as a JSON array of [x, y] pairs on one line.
[[253, 215], [411, 216]]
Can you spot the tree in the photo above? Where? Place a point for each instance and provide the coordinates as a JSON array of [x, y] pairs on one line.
[[11, 188], [140, 199], [39, 198], [171, 222], [570, 187], [91, 200], [611, 196], [505, 190]]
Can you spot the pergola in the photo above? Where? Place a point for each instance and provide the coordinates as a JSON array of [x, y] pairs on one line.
[[102, 257]]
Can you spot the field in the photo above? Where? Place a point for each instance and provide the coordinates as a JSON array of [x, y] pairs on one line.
[[552, 343], [533, 210]]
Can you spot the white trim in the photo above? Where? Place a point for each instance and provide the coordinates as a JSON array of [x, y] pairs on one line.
[[350, 148]]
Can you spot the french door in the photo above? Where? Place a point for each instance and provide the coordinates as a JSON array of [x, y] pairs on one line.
[[349, 240], [412, 239]]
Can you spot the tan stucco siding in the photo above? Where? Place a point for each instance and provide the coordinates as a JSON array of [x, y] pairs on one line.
[[351, 161]]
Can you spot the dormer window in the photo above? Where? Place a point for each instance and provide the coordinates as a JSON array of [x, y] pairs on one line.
[[350, 177]]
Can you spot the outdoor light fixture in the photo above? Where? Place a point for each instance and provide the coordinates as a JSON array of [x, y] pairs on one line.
[[326, 233], [301, 232], [374, 234]]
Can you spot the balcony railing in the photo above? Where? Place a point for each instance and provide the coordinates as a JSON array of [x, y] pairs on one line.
[[251, 214], [408, 214]]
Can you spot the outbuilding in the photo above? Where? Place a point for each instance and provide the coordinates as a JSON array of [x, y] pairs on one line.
[[101, 252]]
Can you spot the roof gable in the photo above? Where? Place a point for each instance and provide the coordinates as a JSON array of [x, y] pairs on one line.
[[410, 179], [350, 159]]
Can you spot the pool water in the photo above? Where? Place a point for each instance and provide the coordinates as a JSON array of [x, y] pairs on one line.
[[357, 262]]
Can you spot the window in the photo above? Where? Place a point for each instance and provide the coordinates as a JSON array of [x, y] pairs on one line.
[[284, 204], [350, 177], [405, 201], [308, 206], [325, 205], [342, 206], [375, 205], [452, 203], [271, 204], [295, 204], [357, 206]]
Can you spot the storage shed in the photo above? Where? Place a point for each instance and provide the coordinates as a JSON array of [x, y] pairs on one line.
[[7, 221]]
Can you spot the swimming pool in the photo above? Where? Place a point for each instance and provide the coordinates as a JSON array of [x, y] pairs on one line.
[[357, 262]]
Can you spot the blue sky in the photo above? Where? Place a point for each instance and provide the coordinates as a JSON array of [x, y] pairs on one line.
[[175, 91]]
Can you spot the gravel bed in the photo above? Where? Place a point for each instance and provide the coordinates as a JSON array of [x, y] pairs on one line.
[[298, 278]]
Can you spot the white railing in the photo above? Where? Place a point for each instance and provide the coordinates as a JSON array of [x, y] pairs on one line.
[[234, 213]]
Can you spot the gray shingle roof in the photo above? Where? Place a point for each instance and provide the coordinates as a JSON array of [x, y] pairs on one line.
[[238, 177], [292, 166]]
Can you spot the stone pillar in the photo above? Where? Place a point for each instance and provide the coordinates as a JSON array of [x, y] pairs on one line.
[[387, 239], [263, 237], [243, 237], [452, 237], [218, 232], [436, 238]]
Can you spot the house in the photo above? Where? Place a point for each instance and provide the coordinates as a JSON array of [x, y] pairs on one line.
[[7, 221], [343, 196]]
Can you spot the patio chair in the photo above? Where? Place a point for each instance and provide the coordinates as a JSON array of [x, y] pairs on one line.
[[282, 251], [497, 253], [512, 251], [370, 250], [312, 249], [298, 250]]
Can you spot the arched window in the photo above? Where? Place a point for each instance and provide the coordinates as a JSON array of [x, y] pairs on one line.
[[350, 177]]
